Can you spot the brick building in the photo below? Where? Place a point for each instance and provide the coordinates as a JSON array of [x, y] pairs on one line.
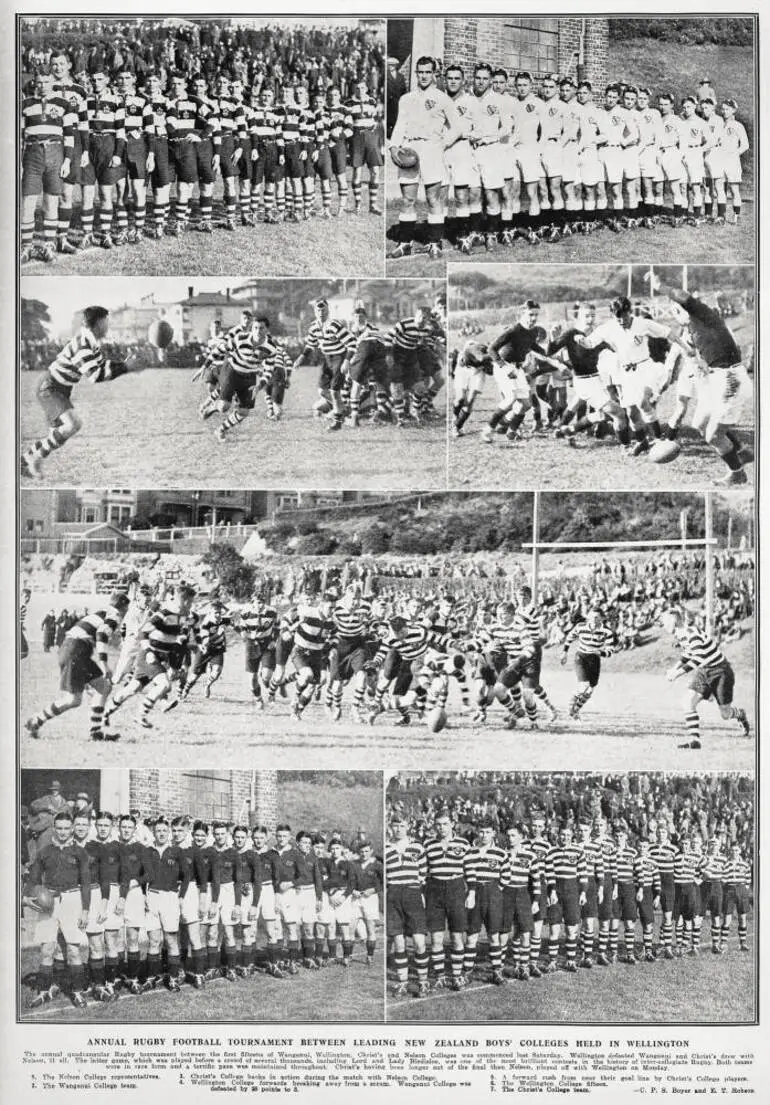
[[514, 43]]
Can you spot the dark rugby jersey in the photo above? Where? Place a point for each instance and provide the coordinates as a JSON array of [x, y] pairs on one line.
[[166, 870], [247, 872], [50, 120], [700, 651], [223, 861], [524, 871], [309, 872], [487, 865], [133, 865], [515, 344], [710, 336], [583, 362], [289, 864], [259, 623], [204, 871], [268, 867], [93, 850], [109, 866], [341, 876], [566, 863], [405, 866], [447, 859], [61, 869], [368, 875], [97, 628], [81, 358]]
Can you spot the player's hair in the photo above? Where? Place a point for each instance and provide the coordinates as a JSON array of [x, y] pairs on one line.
[[730, 103], [180, 820], [523, 75], [643, 89], [200, 826], [336, 840], [125, 72], [64, 815], [219, 825], [264, 320], [241, 829], [586, 84], [566, 81], [318, 838], [530, 305], [709, 100], [260, 829], [127, 817], [551, 77], [631, 88], [119, 600], [500, 73], [704, 80], [425, 60], [689, 100], [302, 834], [177, 75], [81, 815], [621, 305], [666, 96], [613, 86], [161, 819], [283, 828], [186, 590], [104, 815], [92, 315], [454, 68]]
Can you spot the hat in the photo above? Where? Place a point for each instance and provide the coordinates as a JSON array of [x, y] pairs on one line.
[[84, 795]]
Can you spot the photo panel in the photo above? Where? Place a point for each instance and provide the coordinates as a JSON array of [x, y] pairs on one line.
[[200, 895], [445, 627], [569, 139], [572, 898], [602, 376], [201, 146], [240, 382]]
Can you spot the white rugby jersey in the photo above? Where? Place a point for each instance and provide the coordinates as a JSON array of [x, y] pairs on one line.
[[527, 114], [490, 115], [631, 345], [424, 115]]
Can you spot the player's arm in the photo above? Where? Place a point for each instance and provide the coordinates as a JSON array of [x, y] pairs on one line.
[[84, 883], [454, 125], [120, 136]]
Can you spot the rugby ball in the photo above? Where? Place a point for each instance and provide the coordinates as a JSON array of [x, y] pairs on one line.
[[160, 333], [662, 452], [404, 157], [44, 899], [437, 719]]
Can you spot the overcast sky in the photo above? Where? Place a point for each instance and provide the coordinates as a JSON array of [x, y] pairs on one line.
[[64, 297]]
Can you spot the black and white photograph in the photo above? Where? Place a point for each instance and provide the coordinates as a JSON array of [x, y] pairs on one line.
[[201, 146], [571, 898], [241, 382], [569, 139], [200, 895], [602, 376], [514, 628]]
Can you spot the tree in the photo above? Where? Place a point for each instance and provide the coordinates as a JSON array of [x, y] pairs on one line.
[[35, 320], [236, 576]]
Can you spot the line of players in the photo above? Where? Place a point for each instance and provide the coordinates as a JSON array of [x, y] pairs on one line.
[[388, 375], [199, 896], [119, 142], [578, 166], [406, 658], [594, 889], [618, 370]]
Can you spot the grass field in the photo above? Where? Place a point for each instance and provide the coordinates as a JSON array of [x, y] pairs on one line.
[[690, 990], [336, 994], [351, 245], [143, 430], [658, 65], [545, 462], [634, 717]]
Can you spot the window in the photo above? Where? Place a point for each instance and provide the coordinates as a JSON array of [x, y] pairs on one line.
[[89, 514], [207, 794], [118, 513], [531, 45]]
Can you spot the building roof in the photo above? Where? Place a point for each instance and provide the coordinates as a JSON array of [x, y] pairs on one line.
[[212, 299]]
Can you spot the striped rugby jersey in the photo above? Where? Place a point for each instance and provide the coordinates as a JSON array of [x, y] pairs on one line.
[[594, 860], [77, 97], [566, 863], [163, 632], [664, 856], [609, 859], [352, 623], [684, 867], [500, 637], [81, 358], [211, 632], [106, 115], [138, 116], [407, 334], [290, 118], [448, 859], [625, 859], [160, 106], [265, 125], [229, 120], [98, 628], [312, 630], [487, 865], [51, 120], [259, 623], [246, 357], [700, 651], [646, 873], [713, 866], [526, 623], [524, 871], [363, 114], [590, 642], [332, 338], [186, 117], [405, 865], [415, 643], [541, 847], [340, 123], [737, 873]]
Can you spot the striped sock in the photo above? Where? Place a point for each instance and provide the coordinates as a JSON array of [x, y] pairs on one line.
[[309, 200], [553, 949], [647, 940], [496, 957], [462, 682], [65, 218], [326, 194], [570, 944], [421, 960], [357, 189], [614, 942], [400, 963], [97, 717], [181, 212], [456, 960], [604, 937], [27, 234], [629, 941], [469, 959], [343, 196], [540, 694], [437, 962], [140, 215], [697, 927], [534, 952], [358, 698], [50, 227], [245, 205], [121, 214], [374, 195], [692, 725], [206, 205], [230, 207], [667, 933], [743, 932], [87, 220]]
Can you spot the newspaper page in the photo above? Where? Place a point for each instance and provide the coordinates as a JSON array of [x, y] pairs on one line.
[[392, 732]]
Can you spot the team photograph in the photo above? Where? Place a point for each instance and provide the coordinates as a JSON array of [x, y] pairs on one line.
[[602, 376], [502, 627], [208, 895], [569, 139], [201, 146], [562, 898], [251, 383]]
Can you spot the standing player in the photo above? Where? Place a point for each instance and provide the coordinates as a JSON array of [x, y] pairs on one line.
[[259, 626], [429, 124], [462, 166], [663, 854], [139, 121], [594, 861], [737, 884], [368, 883], [693, 142], [82, 358], [490, 129], [521, 899], [647, 882], [648, 125], [364, 115], [167, 881], [405, 872], [734, 143], [83, 664], [628, 883], [488, 870], [552, 138], [567, 878], [448, 877], [527, 119]]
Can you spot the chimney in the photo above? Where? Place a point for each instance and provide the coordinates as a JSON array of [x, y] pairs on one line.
[[227, 293], [190, 291]]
